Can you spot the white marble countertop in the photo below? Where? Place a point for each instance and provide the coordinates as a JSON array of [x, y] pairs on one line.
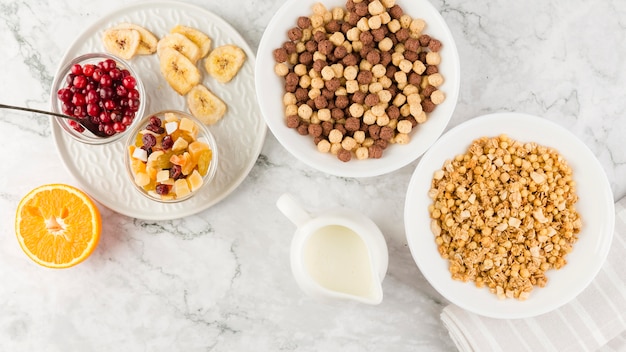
[[220, 280]]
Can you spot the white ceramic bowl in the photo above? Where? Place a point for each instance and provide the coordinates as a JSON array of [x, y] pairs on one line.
[[595, 206], [270, 90]]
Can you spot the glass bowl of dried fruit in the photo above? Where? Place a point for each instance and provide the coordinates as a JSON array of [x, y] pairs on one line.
[[103, 92], [170, 156]]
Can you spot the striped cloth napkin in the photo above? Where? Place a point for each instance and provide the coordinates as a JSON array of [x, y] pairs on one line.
[[595, 320]]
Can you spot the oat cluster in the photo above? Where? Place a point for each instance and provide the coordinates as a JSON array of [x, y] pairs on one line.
[[359, 78], [503, 213]]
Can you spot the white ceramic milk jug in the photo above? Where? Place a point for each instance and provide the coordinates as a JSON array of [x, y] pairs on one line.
[[336, 254]]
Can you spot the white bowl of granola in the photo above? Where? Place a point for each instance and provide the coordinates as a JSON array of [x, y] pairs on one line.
[[357, 99], [550, 223]]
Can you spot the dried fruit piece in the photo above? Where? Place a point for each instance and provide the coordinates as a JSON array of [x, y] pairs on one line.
[[196, 148], [204, 160], [224, 62], [202, 40], [147, 40], [195, 180], [205, 105], [181, 188], [179, 72], [121, 42], [180, 144], [181, 44]]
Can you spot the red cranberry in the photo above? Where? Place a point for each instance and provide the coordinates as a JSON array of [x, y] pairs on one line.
[[108, 129], [64, 94], [116, 116], [129, 82], [77, 69], [90, 85], [110, 104], [92, 97], [78, 99], [80, 82], [133, 104], [88, 70], [109, 64], [133, 94], [106, 92], [127, 120], [77, 126], [106, 80], [121, 91], [116, 74], [67, 108], [97, 74], [79, 111], [93, 110], [105, 118], [119, 127]]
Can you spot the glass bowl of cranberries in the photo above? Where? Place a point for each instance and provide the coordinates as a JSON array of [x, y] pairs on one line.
[[170, 156], [101, 90]]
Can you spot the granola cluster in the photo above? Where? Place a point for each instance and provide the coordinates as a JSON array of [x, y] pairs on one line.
[[503, 214]]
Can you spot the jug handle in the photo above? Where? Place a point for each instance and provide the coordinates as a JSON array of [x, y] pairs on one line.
[[292, 209]]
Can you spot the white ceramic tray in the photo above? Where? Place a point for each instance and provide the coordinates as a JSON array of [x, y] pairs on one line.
[[240, 134]]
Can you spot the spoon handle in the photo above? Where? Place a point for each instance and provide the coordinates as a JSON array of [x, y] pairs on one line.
[[92, 127], [37, 111]]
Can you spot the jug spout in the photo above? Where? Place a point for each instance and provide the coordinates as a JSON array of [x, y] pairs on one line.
[[360, 282], [374, 295]]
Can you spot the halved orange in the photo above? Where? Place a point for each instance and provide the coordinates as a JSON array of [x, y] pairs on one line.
[[57, 225]]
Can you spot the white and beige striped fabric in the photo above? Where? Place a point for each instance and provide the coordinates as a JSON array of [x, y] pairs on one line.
[[593, 321]]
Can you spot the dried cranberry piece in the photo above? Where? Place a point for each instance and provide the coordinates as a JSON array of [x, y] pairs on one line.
[[167, 142], [147, 149], [148, 140], [162, 189], [176, 172], [155, 121], [155, 129]]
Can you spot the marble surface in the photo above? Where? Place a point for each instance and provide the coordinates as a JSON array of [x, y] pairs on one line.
[[220, 280]]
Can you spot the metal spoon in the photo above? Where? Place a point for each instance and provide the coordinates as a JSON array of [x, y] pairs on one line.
[[92, 127]]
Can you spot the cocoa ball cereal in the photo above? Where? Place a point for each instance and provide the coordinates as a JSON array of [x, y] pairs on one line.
[[503, 214], [359, 78]]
